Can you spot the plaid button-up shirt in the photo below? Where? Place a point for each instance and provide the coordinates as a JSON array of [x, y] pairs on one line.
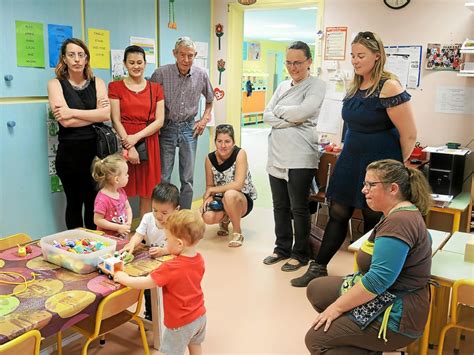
[[182, 92]]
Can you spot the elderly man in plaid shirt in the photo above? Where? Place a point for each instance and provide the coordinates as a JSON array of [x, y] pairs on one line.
[[183, 85]]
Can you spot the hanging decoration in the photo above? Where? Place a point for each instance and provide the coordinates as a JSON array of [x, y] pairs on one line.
[[218, 94], [171, 19], [219, 33], [220, 68]]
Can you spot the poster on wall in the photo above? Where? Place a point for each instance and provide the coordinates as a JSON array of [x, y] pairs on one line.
[[414, 56], [99, 47], [52, 132], [398, 64], [201, 59], [57, 34], [148, 45], [117, 68], [335, 44], [443, 56], [253, 50], [29, 44], [454, 99]]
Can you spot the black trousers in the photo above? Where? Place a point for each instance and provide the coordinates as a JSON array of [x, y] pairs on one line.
[[290, 199], [73, 166]]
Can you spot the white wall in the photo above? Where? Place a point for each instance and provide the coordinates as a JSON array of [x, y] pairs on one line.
[[421, 22]]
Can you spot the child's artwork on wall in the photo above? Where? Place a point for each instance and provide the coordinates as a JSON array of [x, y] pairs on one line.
[[253, 50], [118, 69], [443, 56]]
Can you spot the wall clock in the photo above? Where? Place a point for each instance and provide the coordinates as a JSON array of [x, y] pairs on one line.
[[396, 4]]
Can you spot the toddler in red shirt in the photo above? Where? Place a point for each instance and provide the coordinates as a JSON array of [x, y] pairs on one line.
[[180, 278]]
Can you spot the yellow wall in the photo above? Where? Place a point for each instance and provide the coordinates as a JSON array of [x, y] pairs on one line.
[[260, 66]]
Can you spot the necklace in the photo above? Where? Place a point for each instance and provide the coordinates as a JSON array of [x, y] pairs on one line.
[[81, 86]]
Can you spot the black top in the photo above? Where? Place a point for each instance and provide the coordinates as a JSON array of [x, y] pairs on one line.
[[81, 99], [228, 163]]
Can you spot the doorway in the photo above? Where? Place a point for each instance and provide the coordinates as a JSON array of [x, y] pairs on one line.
[[267, 32]]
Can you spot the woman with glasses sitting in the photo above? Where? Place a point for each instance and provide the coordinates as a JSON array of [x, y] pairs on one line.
[[293, 155], [229, 192], [380, 125], [384, 306], [77, 100]]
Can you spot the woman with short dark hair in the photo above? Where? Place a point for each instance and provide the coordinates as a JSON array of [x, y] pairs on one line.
[[293, 155]]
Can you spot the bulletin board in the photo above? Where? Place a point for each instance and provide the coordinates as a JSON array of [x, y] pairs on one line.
[[66, 12], [411, 71]]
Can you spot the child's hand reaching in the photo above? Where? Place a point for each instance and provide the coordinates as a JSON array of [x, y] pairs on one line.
[[156, 252], [129, 248], [120, 276]]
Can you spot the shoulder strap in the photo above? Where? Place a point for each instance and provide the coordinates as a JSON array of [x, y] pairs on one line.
[[151, 104]]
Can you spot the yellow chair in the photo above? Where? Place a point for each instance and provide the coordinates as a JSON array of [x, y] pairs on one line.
[[26, 344], [461, 309], [111, 313], [13, 240]]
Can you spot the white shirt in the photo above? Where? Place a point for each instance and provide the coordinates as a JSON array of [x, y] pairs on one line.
[[154, 236]]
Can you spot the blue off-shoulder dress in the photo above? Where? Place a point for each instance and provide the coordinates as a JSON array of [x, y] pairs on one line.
[[370, 136]]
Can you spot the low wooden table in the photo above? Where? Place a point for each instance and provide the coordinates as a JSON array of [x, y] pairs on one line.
[[447, 267], [459, 205]]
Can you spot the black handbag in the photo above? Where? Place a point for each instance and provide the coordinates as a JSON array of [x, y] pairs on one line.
[[107, 141], [141, 145]]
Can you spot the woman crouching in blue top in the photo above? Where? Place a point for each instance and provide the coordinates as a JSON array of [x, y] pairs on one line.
[[394, 270]]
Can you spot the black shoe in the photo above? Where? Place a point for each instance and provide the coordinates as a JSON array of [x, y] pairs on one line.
[[314, 270], [293, 267], [270, 260]]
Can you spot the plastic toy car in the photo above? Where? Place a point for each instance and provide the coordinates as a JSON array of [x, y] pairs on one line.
[[109, 265]]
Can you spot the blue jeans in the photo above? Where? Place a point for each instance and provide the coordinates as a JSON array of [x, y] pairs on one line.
[[179, 135]]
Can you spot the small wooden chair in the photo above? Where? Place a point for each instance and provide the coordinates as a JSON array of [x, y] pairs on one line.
[[13, 240], [327, 161], [462, 311], [111, 313], [323, 174], [26, 344]]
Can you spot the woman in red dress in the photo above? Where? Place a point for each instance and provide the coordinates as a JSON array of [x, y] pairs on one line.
[[137, 108]]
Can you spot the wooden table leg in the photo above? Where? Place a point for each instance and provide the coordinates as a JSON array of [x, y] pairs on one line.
[[456, 221], [439, 315], [156, 320]]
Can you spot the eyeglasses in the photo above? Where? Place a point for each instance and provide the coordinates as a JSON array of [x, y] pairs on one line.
[[295, 64], [369, 184], [367, 35], [80, 55]]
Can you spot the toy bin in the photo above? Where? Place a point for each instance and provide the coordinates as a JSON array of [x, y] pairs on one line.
[[78, 263]]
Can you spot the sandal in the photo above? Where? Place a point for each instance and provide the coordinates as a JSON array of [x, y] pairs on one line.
[[224, 227], [237, 240]]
